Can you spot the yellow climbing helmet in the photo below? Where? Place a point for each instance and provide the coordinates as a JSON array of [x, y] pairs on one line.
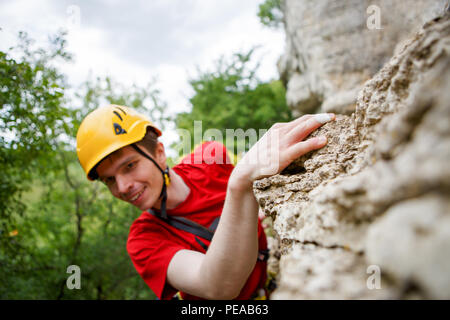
[[106, 130]]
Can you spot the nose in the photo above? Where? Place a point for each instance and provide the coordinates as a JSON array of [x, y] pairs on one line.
[[124, 185]]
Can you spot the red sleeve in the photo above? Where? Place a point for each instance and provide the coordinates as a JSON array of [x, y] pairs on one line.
[[151, 256]]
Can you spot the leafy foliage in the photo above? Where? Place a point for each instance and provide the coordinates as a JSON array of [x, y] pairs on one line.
[[270, 13], [232, 97], [101, 91], [32, 117], [67, 220]]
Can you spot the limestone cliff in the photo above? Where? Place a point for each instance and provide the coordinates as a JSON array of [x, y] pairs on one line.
[[377, 197], [334, 46]]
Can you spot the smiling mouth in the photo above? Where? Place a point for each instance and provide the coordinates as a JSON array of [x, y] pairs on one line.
[[133, 199]]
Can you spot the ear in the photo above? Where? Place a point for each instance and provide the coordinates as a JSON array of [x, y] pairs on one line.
[[161, 155]]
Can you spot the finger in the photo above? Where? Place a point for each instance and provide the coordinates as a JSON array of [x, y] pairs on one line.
[[324, 117], [303, 130], [301, 148], [292, 124], [299, 120]]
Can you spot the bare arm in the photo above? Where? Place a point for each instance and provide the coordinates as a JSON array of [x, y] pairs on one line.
[[223, 270]]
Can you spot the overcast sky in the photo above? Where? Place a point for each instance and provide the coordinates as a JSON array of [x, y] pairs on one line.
[[134, 41]]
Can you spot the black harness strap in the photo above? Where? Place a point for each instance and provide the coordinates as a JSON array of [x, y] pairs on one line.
[[188, 225], [200, 242], [199, 230], [163, 193], [214, 224]]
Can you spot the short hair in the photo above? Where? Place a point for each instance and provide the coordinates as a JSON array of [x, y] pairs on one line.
[[150, 140]]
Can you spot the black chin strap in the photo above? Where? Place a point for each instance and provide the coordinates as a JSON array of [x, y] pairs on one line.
[[166, 180]]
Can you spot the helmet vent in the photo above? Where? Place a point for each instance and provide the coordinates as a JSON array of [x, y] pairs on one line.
[[118, 129], [122, 110], [117, 114]]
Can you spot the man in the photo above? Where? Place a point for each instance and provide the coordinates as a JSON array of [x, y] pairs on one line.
[[171, 243]]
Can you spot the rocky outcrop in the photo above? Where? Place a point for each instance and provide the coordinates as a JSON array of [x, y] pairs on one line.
[[334, 46], [368, 216]]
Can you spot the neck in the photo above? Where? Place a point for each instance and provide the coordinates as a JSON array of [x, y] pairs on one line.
[[177, 192]]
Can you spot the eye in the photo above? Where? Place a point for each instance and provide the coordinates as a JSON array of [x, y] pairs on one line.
[[109, 181], [131, 165]]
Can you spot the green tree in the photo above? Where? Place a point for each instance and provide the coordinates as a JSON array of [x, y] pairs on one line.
[[67, 220], [32, 118], [71, 221], [98, 91], [232, 97], [270, 13]]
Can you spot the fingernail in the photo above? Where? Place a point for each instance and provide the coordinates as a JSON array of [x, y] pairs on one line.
[[323, 117], [321, 139]]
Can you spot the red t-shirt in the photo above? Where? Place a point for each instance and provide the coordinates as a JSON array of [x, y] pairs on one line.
[[152, 243]]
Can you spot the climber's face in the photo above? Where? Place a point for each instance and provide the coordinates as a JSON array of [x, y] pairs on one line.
[[133, 178]]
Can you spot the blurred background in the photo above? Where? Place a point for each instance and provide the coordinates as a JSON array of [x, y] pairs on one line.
[[178, 61]]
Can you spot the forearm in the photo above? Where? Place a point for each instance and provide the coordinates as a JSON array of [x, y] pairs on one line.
[[232, 254]]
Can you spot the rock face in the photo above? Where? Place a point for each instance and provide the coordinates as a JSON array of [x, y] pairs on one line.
[[334, 46], [368, 216]]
